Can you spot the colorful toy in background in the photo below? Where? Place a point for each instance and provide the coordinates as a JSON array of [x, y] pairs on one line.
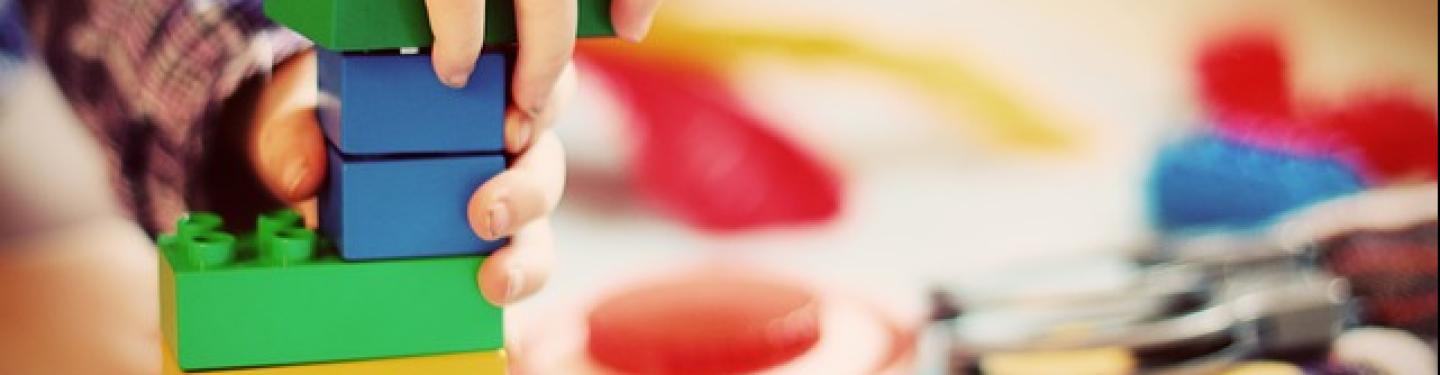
[[1209, 182], [1319, 298], [1004, 116], [1270, 151], [702, 156], [720, 320], [1393, 272], [391, 287], [705, 158], [1205, 310], [1386, 136]]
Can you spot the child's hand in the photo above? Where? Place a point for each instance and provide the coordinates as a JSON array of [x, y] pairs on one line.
[[288, 151], [546, 30]]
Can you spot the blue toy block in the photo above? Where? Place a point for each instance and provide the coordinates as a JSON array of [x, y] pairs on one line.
[[377, 104], [400, 207]]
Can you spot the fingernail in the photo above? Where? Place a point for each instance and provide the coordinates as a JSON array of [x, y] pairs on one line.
[[499, 220], [516, 282], [457, 81], [637, 34], [294, 175]]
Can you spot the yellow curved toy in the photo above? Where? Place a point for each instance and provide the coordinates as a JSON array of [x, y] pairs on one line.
[[962, 89]]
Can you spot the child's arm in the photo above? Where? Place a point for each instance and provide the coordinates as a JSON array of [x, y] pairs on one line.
[[77, 280], [80, 300], [52, 174], [77, 275]]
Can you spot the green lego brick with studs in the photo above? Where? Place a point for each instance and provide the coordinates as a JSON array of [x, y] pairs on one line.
[[279, 296], [358, 25]]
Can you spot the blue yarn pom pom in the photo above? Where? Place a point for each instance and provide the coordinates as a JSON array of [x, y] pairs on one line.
[[1207, 183]]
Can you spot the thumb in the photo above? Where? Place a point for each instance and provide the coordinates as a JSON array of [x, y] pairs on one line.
[[287, 148]]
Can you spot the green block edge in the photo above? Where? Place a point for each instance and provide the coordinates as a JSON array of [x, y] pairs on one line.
[[327, 310], [359, 25]]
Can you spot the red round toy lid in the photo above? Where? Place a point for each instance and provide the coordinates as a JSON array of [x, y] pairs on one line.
[[709, 323]]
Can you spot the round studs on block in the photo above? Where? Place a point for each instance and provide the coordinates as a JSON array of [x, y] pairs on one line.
[[209, 250], [287, 246]]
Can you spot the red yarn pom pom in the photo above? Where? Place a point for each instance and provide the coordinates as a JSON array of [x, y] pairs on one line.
[[1245, 75], [1390, 137]]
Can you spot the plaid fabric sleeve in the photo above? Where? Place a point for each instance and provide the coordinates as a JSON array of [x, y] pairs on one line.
[[12, 41], [149, 78]]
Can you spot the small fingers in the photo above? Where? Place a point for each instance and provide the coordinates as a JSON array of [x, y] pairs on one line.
[[459, 28], [520, 269], [546, 30], [521, 130], [527, 191]]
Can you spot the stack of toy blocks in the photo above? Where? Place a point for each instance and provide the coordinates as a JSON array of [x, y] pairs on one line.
[[390, 287]]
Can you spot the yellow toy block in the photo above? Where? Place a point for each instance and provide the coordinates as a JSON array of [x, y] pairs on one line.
[[476, 363]]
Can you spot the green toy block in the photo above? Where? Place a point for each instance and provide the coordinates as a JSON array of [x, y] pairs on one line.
[[358, 25], [271, 299]]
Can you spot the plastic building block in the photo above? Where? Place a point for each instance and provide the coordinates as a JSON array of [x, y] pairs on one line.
[[355, 25], [374, 104], [380, 208], [272, 299], [475, 363]]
